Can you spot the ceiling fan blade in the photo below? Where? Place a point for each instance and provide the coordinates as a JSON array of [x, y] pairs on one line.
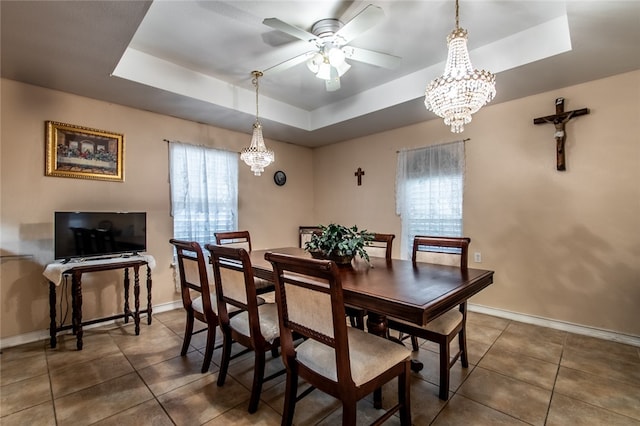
[[364, 20], [383, 60], [289, 63], [296, 32]]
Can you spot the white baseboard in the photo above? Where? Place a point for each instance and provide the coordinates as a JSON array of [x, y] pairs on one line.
[[558, 325], [36, 336], [528, 319]]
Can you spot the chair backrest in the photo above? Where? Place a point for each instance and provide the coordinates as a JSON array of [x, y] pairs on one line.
[[234, 283], [451, 251], [310, 303], [235, 239], [381, 246], [193, 275], [305, 233]]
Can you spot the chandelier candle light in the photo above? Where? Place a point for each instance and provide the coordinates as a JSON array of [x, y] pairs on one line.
[[461, 90], [257, 156]]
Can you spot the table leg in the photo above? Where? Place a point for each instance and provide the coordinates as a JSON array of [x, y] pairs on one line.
[[377, 324], [52, 314], [148, 295], [136, 298], [127, 311], [76, 315]]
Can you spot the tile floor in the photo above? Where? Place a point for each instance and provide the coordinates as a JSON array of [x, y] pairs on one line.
[[519, 375]]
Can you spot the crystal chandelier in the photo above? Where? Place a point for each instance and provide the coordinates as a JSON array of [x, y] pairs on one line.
[[257, 156], [461, 90]]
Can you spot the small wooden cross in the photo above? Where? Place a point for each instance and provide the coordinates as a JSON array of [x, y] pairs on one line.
[[359, 175], [559, 119]]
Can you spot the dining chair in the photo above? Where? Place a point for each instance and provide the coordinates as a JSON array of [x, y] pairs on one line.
[[380, 246], [197, 298], [452, 251], [344, 362], [242, 239], [305, 233], [254, 327]]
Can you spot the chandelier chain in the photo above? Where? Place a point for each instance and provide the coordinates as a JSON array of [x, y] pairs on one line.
[[457, 16], [256, 76]]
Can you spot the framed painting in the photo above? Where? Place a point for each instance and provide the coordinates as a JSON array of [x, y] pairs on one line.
[[83, 153]]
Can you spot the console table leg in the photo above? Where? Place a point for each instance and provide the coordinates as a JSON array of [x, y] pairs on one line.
[[52, 314], [148, 295], [127, 311], [76, 290], [136, 298]]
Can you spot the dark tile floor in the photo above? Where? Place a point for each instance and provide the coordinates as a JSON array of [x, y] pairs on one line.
[[519, 374]]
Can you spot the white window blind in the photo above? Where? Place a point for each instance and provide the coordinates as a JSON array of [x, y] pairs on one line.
[[204, 191], [429, 188]]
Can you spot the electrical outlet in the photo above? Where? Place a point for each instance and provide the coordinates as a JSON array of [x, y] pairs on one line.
[[477, 257]]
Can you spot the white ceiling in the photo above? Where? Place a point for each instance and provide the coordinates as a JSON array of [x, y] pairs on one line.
[[193, 59]]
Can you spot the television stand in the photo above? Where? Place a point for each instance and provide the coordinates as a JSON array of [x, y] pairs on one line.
[[55, 271]]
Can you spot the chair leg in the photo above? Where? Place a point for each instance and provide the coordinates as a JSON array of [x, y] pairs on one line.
[[211, 342], [414, 343], [349, 411], [290, 395], [188, 331], [352, 320], [404, 395], [258, 377], [444, 371], [462, 340], [227, 341], [360, 320]]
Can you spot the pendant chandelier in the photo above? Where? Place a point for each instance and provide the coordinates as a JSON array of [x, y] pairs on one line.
[[461, 90], [257, 156]]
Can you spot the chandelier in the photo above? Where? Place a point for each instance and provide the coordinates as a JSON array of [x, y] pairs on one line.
[[461, 90], [257, 156]]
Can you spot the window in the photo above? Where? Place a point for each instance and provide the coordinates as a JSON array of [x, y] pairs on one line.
[[204, 191], [429, 187]]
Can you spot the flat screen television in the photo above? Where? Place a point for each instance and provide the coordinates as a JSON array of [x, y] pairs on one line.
[[99, 234]]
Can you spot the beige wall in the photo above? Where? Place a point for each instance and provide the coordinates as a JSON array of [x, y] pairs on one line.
[[28, 198], [564, 245]]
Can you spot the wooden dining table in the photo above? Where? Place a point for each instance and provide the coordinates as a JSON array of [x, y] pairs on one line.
[[398, 288]]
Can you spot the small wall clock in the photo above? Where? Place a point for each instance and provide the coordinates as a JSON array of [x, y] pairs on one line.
[[280, 178]]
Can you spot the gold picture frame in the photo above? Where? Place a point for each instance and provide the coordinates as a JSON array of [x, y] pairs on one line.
[[83, 153]]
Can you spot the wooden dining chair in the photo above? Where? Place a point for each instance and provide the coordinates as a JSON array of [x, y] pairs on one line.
[[442, 330], [380, 246], [242, 239], [254, 327], [197, 298], [344, 362], [234, 239], [305, 233]]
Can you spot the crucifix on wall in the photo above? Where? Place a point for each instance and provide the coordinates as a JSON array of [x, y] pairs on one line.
[[559, 119], [359, 173]]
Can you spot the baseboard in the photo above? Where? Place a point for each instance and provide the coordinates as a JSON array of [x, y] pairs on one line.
[[598, 333], [501, 313], [39, 335]]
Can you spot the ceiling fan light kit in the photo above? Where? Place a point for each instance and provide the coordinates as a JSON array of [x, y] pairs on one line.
[[461, 90], [257, 156], [329, 37]]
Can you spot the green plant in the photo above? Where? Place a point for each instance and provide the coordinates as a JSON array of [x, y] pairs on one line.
[[339, 241]]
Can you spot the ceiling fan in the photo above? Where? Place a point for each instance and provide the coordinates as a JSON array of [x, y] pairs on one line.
[[329, 38]]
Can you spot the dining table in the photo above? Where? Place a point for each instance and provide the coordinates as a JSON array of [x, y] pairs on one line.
[[416, 292]]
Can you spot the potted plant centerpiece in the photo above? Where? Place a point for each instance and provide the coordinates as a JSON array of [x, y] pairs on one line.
[[339, 243]]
